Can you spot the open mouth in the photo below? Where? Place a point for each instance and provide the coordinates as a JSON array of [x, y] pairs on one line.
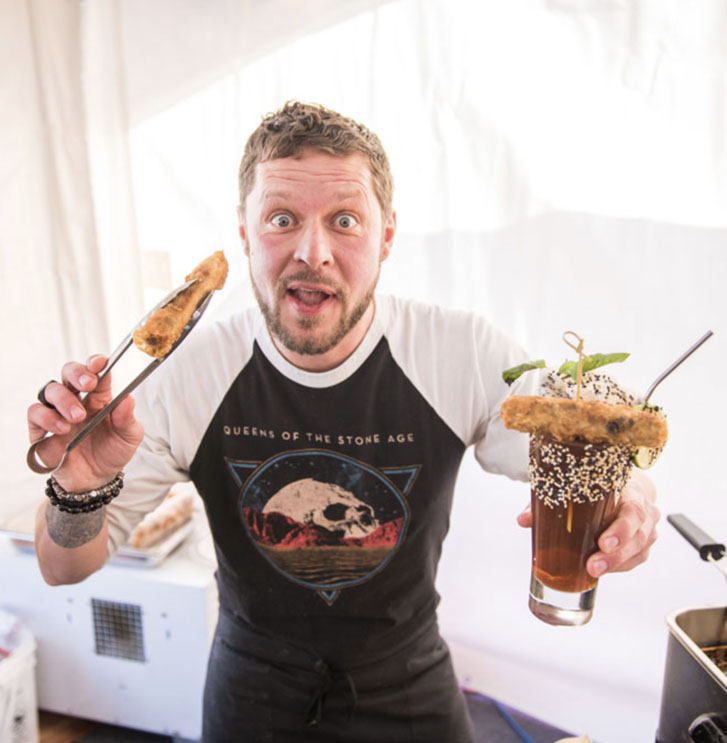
[[310, 297]]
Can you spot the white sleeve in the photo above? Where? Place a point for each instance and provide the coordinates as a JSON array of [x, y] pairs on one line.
[[175, 405], [498, 449], [148, 476], [456, 359]]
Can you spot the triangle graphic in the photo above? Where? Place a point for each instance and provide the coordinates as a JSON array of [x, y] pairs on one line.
[[240, 471], [402, 477], [329, 596]]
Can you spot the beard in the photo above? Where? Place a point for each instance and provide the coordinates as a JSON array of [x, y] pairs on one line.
[[310, 344]]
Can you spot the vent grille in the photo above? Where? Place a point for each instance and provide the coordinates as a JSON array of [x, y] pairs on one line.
[[118, 630]]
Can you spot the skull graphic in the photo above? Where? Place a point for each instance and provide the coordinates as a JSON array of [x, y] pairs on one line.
[[309, 501]]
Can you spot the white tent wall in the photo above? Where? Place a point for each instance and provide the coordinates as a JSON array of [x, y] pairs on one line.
[[50, 272], [558, 166]]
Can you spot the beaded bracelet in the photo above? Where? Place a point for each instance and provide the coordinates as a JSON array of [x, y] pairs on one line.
[[83, 502]]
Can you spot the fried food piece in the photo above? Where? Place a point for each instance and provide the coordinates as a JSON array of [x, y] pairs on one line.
[[161, 331], [174, 511], [583, 420]]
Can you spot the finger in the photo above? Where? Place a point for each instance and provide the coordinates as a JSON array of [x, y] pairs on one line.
[[65, 401], [525, 519], [634, 552], [42, 420], [83, 377], [71, 374], [101, 388], [632, 517], [599, 564], [96, 362], [63, 397], [627, 542]]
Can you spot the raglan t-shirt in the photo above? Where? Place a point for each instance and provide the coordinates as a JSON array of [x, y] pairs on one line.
[[328, 494]]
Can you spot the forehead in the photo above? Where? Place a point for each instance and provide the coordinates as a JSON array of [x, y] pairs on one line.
[[319, 170]]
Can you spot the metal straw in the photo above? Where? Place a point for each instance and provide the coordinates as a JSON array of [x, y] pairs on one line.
[[668, 371]]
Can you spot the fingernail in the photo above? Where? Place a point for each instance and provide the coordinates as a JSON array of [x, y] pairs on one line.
[[93, 358], [610, 544], [63, 427], [599, 567], [84, 379], [76, 413]]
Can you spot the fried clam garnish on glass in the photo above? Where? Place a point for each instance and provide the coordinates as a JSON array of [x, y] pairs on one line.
[[593, 421]]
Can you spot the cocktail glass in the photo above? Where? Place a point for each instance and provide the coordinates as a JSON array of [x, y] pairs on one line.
[[575, 489]]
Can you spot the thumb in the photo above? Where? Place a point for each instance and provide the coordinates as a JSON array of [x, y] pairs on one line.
[[124, 422]]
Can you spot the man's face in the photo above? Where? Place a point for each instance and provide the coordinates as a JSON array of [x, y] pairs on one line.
[[315, 236]]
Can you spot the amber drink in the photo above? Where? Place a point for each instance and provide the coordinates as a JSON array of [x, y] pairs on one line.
[[574, 489]]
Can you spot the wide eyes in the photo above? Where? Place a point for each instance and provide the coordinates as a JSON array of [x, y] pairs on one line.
[[342, 221], [346, 221], [282, 220]]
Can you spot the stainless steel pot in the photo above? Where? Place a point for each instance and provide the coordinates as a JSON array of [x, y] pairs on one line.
[[694, 695]]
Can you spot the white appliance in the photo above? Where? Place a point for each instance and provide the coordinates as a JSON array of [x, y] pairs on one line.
[[127, 646]]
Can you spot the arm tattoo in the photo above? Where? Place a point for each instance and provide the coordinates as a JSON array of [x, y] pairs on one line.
[[73, 529]]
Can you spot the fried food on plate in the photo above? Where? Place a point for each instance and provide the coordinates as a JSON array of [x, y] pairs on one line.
[[160, 332], [584, 420], [174, 511]]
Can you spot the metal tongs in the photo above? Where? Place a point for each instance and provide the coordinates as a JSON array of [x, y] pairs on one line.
[[709, 550], [32, 459]]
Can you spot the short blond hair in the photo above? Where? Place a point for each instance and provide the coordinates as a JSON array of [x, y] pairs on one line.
[[297, 127]]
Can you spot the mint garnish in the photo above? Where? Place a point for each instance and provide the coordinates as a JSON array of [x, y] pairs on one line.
[[568, 368], [593, 361], [510, 375]]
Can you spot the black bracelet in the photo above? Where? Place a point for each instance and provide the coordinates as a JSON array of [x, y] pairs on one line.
[[83, 502]]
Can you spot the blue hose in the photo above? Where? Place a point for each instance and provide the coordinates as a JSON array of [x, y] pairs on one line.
[[505, 716], [508, 719]]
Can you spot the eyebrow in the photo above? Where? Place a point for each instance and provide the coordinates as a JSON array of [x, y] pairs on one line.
[[276, 194], [340, 195], [345, 195]]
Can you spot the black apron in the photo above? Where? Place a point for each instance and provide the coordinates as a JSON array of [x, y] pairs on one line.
[[262, 690]]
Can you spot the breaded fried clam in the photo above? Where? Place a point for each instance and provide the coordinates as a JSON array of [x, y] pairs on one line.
[[161, 331], [593, 421]]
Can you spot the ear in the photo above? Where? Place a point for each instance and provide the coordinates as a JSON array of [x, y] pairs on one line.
[[241, 230], [388, 236]]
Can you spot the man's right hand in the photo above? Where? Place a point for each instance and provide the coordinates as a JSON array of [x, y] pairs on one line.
[[97, 459]]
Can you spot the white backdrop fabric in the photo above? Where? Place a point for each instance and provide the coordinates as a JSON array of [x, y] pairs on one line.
[[53, 306], [559, 166]]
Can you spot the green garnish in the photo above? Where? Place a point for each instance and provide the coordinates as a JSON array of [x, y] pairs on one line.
[[510, 375], [568, 368], [590, 362]]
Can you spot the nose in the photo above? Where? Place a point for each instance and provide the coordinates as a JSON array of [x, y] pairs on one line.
[[314, 248]]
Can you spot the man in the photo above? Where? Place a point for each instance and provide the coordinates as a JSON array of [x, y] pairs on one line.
[[324, 432]]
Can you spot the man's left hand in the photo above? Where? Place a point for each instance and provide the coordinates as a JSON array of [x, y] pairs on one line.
[[626, 543]]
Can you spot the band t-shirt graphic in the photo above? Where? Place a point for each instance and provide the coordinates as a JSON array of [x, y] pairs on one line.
[[323, 519], [328, 494]]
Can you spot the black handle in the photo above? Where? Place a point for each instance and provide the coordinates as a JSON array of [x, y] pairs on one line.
[[701, 541], [709, 728]]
